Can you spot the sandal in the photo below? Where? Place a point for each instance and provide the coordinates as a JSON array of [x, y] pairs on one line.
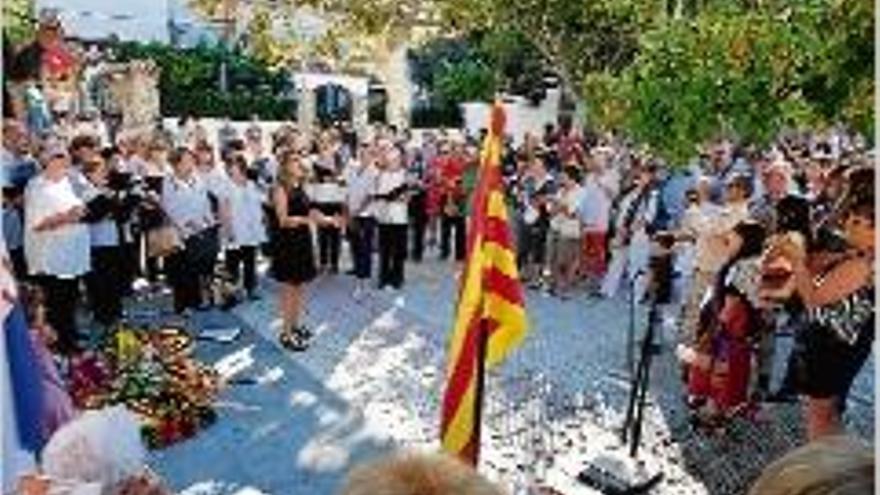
[[293, 341]]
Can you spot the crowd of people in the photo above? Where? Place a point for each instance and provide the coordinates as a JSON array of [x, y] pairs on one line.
[[170, 205], [763, 242]]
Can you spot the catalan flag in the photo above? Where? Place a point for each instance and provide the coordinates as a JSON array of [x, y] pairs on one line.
[[490, 300]]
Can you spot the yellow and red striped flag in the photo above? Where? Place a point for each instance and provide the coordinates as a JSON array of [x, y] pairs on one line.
[[490, 300]]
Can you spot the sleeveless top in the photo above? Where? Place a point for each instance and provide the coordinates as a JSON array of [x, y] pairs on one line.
[[848, 317]]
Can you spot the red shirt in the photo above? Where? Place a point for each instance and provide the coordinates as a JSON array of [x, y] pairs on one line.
[[444, 178]]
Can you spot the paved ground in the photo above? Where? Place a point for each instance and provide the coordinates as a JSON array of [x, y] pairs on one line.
[[295, 423]]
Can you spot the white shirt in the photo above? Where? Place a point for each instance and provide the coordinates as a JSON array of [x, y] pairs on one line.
[[186, 204], [567, 226], [63, 251], [105, 232], [361, 183], [595, 205], [216, 180], [391, 212], [327, 193], [610, 179], [246, 214]]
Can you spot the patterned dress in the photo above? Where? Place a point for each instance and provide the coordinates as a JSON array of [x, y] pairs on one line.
[[835, 345]]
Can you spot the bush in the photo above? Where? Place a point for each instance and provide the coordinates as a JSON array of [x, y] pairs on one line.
[[188, 84]]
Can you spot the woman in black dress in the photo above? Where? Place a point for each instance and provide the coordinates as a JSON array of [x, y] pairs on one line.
[[293, 258], [837, 291]]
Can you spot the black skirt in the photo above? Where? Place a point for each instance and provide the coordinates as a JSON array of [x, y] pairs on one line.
[[293, 257], [825, 365]]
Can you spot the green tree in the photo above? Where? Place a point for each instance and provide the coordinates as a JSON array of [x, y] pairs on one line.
[[744, 69], [468, 80], [188, 82], [18, 21]]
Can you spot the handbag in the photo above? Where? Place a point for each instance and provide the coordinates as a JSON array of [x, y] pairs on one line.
[[163, 241]]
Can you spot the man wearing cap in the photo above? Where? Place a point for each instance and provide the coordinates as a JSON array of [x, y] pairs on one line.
[[56, 242], [776, 181]]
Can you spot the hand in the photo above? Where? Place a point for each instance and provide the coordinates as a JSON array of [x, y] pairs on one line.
[[791, 248], [33, 484], [75, 214]]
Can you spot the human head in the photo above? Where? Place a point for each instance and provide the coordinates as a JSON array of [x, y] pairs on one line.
[[290, 170], [33, 301], [54, 159], [95, 169], [417, 474], [646, 174], [183, 161], [14, 136], [831, 465], [50, 29], [858, 210], [737, 189], [83, 147], [157, 151], [237, 167], [721, 154], [571, 175], [745, 240], [602, 157], [776, 177]]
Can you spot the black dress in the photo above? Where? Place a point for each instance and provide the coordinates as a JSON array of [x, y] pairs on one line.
[[834, 346], [293, 258]]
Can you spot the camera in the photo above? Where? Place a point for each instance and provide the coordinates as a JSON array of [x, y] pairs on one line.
[[660, 268]]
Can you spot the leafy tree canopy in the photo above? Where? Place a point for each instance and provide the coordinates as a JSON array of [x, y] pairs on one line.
[[749, 71]]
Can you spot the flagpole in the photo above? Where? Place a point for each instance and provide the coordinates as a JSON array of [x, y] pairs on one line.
[[479, 391]]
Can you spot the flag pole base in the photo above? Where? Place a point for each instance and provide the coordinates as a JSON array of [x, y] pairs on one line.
[[619, 475]]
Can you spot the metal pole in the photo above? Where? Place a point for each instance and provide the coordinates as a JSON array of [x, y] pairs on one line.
[[479, 394], [227, 35]]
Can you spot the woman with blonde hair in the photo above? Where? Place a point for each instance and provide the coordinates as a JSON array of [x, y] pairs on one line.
[[293, 258], [417, 474]]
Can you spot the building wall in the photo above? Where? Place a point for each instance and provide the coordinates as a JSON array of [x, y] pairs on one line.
[[522, 117]]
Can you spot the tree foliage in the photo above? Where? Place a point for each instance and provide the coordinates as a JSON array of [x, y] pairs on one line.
[[188, 82], [18, 21], [747, 71], [469, 80], [672, 73]]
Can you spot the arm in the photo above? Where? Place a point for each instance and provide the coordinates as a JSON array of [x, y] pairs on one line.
[[279, 202], [60, 219], [844, 279]]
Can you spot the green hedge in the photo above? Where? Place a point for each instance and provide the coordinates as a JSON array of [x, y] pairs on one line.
[[422, 117], [189, 82]]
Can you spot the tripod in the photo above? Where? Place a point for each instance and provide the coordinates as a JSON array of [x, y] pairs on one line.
[[632, 426], [620, 481]]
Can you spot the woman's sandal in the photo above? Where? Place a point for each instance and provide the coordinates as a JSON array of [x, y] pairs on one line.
[[293, 341]]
